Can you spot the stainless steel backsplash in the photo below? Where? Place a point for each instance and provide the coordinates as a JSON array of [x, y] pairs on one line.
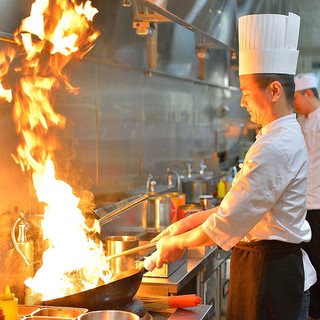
[[127, 120]]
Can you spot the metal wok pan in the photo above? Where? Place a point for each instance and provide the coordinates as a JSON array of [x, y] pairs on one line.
[[119, 291]]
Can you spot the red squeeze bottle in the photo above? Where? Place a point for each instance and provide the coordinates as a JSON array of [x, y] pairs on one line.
[[2, 317]]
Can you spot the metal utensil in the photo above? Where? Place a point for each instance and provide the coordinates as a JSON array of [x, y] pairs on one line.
[[133, 250], [120, 207]]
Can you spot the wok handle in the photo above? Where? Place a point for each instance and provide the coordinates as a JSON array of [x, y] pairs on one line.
[[133, 250]]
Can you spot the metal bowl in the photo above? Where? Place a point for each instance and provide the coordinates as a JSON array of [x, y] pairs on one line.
[[109, 315]]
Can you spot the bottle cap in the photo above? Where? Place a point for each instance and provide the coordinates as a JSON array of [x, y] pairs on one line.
[[7, 295]]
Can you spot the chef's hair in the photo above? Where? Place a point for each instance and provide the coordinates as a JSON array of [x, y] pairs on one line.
[[286, 80], [314, 90]]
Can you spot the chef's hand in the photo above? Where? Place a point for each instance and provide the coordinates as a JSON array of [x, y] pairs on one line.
[[174, 229], [168, 250]]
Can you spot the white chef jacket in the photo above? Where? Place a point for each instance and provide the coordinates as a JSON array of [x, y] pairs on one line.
[[311, 130], [268, 196]]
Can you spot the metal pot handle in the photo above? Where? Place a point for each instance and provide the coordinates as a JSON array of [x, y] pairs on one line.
[[124, 208]]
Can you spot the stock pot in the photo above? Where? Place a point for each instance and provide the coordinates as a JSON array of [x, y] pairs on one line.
[[196, 186], [117, 244], [159, 211]]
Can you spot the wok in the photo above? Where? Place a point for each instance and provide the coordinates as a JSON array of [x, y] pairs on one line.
[[119, 291]]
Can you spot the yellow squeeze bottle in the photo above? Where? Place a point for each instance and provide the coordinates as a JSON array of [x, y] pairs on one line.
[[221, 189], [9, 304]]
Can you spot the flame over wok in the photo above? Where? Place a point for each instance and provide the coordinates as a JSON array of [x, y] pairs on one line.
[[56, 32]]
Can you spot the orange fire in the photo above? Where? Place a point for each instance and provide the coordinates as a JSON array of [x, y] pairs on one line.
[[55, 32], [73, 262]]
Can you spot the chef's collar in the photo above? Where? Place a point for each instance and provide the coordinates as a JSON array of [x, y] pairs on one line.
[[272, 125]]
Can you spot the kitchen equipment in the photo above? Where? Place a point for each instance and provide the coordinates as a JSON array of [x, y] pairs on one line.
[[70, 313], [177, 199], [170, 184], [137, 307], [206, 201], [195, 186], [166, 270], [156, 303], [118, 244], [159, 212], [47, 313], [113, 210], [133, 250], [109, 315], [119, 291], [23, 243], [189, 209], [159, 207]]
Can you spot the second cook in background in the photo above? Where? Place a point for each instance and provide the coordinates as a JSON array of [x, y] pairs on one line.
[[306, 103]]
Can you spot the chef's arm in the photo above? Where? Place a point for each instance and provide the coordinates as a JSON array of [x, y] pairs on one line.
[[171, 248], [194, 238], [188, 223], [198, 218]]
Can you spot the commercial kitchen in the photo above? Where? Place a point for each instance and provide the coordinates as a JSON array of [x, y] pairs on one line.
[[141, 128]]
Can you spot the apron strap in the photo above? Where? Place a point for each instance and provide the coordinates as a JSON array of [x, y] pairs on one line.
[[269, 246]]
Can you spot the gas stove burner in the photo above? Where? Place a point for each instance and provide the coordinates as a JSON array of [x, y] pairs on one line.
[[137, 307]]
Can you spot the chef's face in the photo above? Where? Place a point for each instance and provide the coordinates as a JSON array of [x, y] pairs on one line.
[[255, 99], [301, 102]]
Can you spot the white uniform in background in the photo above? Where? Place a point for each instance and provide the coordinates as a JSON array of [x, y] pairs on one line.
[[311, 130]]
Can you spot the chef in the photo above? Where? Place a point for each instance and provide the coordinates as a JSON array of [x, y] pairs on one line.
[[263, 216], [307, 105]]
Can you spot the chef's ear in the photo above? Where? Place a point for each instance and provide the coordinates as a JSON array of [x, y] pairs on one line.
[[309, 93], [275, 90]]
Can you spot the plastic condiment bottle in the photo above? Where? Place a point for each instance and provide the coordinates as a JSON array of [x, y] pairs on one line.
[[2, 317], [9, 304], [221, 189], [229, 183]]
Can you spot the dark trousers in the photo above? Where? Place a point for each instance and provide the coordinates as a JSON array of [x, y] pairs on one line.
[[313, 250]]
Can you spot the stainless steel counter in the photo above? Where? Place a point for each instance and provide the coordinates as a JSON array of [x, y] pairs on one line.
[[201, 312], [197, 262]]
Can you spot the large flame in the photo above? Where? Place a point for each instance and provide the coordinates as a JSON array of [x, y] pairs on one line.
[[55, 32], [73, 261]]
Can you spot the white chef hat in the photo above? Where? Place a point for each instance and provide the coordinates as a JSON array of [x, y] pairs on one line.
[[268, 43], [305, 81]]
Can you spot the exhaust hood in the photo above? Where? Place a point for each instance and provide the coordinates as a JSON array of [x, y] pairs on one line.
[[214, 21]]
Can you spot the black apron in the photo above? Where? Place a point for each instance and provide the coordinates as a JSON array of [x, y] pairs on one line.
[[266, 281]]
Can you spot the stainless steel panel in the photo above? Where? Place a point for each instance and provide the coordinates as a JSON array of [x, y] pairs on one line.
[[11, 13], [124, 123]]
